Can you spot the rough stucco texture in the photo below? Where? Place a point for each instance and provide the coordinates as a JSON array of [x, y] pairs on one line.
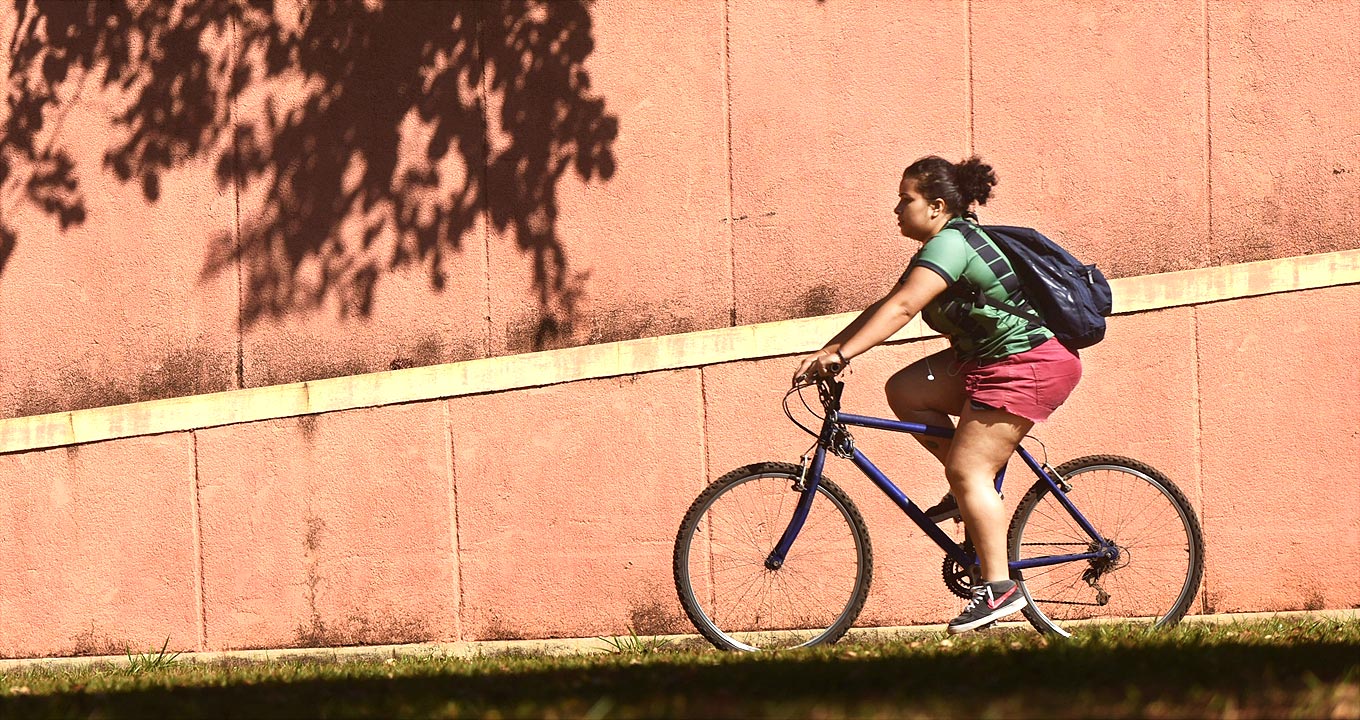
[[113, 310], [568, 502], [829, 101], [328, 530], [644, 250], [618, 169], [1099, 137], [493, 516], [1282, 509], [97, 556], [1285, 165]]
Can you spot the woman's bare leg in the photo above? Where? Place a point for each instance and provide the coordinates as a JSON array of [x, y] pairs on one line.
[[982, 444], [925, 392]]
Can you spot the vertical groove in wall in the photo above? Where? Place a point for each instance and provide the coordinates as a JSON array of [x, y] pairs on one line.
[[486, 173], [1197, 455], [198, 551], [703, 428], [1208, 132], [968, 65], [727, 141], [453, 516], [236, 210], [705, 466]]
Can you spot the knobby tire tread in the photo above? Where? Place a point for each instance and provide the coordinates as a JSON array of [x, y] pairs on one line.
[[1040, 488], [717, 487]]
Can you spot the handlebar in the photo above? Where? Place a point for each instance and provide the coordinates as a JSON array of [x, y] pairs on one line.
[[829, 392]]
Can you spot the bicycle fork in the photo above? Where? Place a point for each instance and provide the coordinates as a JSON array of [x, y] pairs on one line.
[[808, 480]]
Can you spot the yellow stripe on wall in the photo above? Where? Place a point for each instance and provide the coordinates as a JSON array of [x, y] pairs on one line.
[[706, 347]]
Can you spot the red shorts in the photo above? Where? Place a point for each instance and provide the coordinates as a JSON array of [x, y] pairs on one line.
[[1031, 384]]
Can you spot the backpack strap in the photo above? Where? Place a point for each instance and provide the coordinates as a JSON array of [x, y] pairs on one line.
[[1002, 268]]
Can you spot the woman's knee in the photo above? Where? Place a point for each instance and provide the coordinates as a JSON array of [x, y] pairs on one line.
[[965, 476]]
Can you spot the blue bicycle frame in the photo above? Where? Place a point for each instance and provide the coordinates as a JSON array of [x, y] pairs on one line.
[[834, 435]]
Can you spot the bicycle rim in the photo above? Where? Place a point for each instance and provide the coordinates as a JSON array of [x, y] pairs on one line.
[[1156, 576], [738, 603]]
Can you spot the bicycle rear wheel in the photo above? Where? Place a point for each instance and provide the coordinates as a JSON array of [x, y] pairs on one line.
[[739, 604], [1160, 559]]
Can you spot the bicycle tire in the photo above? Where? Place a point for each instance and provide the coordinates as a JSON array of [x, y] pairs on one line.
[[707, 562], [1147, 503]]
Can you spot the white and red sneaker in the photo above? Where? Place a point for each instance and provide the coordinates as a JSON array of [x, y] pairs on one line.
[[991, 602]]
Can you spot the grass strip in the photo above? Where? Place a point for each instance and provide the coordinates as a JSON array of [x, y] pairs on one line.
[[1280, 668]]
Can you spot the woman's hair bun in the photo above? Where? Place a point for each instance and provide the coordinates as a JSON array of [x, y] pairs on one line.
[[974, 180]]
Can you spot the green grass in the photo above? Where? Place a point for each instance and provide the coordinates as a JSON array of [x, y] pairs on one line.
[[1279, 668]]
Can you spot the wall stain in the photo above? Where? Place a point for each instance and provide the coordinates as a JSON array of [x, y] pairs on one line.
[[358, 629], [816, 301], [1315, 600], [497, 629], [189, 371], [308, 425], [303, 368], [299, 367], [93, 643], [655, 617], [622, 321]]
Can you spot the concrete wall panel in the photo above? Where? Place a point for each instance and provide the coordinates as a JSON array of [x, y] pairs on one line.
[[1284, 171], [563, 180], [1094, 120], [633, 245], [362, 234], [98, 554], [111, 308], [830, 102], [553, 540], [1281, 450], [1137, 398], [329, 529]]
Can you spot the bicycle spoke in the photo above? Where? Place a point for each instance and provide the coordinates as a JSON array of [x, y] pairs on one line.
[[1157, 563], [811, 591]]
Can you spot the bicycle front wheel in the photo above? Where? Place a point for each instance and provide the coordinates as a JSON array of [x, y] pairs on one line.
[[733, 599], [1155, 574]]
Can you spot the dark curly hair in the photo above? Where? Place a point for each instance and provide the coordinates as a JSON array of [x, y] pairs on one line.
[[960, 185]]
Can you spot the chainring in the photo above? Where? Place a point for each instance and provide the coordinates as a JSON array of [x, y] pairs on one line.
[[958, 580]]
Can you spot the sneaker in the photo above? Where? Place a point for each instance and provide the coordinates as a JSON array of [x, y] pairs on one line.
[[991, 602], [946, 509]]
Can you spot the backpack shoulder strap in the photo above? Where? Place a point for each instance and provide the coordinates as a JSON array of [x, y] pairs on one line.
[[994, 259]]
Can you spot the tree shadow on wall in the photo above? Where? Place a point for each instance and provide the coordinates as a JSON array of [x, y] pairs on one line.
[[378, 135]]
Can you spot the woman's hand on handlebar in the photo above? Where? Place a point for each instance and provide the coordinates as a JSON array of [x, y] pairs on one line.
[[820, 365]]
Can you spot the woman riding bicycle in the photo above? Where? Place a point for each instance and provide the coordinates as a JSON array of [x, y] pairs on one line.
[[1000, 375]]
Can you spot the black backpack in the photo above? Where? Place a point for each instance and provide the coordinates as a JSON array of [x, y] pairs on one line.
[[1073, 298]]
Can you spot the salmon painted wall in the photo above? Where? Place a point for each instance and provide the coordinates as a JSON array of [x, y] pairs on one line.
[[551, 511], [240, 199]]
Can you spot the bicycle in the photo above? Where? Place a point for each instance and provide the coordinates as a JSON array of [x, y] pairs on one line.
[[753, 568]]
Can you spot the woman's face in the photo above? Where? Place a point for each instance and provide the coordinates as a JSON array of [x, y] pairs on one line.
[[917, 218]]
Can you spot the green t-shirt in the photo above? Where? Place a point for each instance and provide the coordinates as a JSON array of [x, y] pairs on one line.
[[977, 333]]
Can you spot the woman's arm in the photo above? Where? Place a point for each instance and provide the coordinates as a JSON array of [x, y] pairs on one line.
[[835, 343], [894, 311], [877, 323]]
